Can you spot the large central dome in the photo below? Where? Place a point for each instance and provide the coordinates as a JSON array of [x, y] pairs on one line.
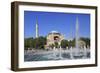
[[54, 32]]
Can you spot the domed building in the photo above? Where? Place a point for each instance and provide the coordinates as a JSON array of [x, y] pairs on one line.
[[54, 37]]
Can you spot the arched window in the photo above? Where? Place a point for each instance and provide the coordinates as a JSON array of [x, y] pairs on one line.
[[56, 38]]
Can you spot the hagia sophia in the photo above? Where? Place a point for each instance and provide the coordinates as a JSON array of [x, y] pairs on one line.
[[53, 37]]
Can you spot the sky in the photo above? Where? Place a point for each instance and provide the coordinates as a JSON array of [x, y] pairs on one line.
[[64, 23]]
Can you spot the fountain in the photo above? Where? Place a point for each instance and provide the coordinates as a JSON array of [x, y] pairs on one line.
[[54, 52], [57, 53], [85, 52], [71, 53], [60, 53], [79, 53], [77, 39]]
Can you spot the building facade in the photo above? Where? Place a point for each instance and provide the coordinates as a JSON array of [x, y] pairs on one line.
[[54, 37]]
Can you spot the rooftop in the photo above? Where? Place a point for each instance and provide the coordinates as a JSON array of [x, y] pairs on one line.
[[54, 32]]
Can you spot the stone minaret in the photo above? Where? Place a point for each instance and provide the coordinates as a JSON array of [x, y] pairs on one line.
[[37, 32]]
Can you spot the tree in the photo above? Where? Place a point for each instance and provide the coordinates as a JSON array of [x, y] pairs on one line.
[[36, 43], [39, 42], [86, 40], [64, 43], [73, 43], [51, 45], [28, 43], [56, 44]]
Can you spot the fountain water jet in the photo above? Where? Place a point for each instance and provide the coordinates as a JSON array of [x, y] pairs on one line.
[[54, 52], [71, 53], [77, 39], [85, 51], [60, 53]]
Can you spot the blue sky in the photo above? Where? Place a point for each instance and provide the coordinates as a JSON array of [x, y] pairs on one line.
[[54, 21]]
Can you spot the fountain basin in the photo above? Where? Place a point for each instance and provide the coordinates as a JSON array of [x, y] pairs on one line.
[[55, 55]]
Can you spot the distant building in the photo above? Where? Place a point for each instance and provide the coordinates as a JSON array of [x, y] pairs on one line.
[[53, 37]]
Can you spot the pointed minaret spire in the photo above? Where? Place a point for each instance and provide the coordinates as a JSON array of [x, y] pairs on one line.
[[37, 34]]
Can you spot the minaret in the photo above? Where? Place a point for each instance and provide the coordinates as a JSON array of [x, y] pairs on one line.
[[37, 34]]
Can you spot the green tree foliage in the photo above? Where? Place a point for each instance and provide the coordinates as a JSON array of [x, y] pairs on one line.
[[86, 40], [73, 43], [64, 43], [36, 43], [52, 45], [40, 42], [56, 44], [28, 43]]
